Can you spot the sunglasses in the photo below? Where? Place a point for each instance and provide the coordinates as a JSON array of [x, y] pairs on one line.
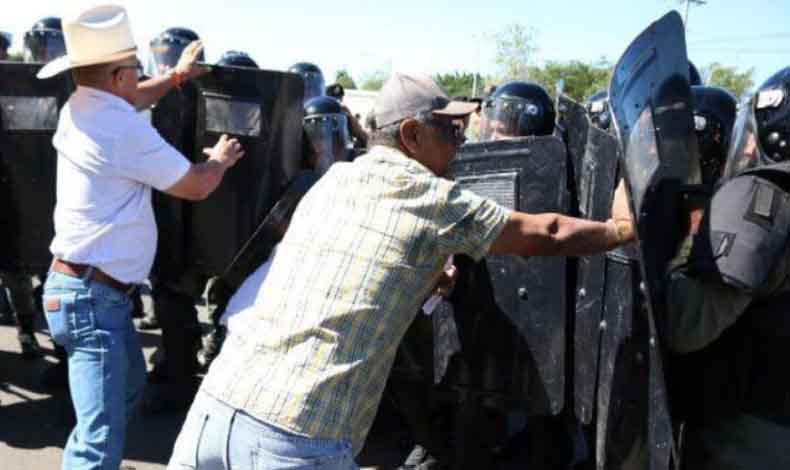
[[451, 131]]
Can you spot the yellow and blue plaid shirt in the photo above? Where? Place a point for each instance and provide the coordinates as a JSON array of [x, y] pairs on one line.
[[363, 251]]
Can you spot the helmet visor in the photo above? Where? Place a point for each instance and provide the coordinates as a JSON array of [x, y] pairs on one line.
[[44, 45], [744, 151], [329, 140], [508, 118]]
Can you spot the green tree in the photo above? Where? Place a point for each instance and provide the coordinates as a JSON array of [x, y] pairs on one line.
[[580, 79], [729, 78], [459, 83], [374, 81], [345, 80], [515, 46], [16, 56]]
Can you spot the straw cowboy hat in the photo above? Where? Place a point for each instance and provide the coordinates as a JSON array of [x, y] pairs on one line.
[[99, 35]]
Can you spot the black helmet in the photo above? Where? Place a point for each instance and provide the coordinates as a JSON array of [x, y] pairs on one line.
[[166, 49], [598, 109], [336, 91], [694, 77], [237, 59], [761, 135], [44, 42], [326, 130], [313, 79], [714, 115], [517, 109]]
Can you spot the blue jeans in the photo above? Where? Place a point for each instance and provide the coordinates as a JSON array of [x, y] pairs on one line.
[[106, 366], [216, 436]]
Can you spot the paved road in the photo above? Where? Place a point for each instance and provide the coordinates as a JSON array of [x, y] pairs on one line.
[[33, 429]]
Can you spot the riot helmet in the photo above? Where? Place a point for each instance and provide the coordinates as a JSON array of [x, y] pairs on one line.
[[326, 129], [695, 78], [598, 109], [517, 109], [714, 115], [761, 135], [166, 49], [237, 59], [336, 91], [44, 42], [313, 79]]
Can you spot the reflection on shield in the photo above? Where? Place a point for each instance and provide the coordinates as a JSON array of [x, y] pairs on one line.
[[511, 312], [28, 118]]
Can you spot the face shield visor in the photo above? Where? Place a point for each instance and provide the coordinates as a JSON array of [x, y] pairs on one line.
[[165, 53], [712, 150], [313, 85], [744, 151], [508, 118], [44, 45], [329, 140]]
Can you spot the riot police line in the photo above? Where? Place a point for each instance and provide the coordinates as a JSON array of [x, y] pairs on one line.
[[543, 361]]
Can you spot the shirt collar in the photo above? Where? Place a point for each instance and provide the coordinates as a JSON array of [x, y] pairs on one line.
[[104, 96], [395, 156]]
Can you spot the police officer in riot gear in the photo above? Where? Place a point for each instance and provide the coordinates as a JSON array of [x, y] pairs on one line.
[[326, 130], [44, 42], [174, 296], [728, 296], [313, 79], [166, 49], [237, 59], [598, 109], [714, 115], [517, 109]]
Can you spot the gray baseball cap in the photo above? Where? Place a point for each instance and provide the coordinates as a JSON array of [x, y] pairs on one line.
[[405, 96]]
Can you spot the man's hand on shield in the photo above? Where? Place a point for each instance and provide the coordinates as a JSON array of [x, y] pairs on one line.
[[188, 66], [226, 151], [621, 214]]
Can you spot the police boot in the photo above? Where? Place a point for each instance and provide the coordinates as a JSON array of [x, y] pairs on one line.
[[212, 346], [27, 338]]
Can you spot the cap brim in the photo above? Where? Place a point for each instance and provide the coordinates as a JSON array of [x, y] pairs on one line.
[[63, 63], [456, 109]]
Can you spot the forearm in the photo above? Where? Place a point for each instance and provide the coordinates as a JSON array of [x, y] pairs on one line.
[[201, 180], [152, 90]]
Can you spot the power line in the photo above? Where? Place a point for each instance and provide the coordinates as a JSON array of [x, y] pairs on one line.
[[742, 38]]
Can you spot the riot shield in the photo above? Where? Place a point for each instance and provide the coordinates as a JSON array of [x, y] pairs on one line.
[[573, 125], [651, 103], [596, 180], [511, 311], [174, 117], [29, 110], [263, 110], [258, 248]]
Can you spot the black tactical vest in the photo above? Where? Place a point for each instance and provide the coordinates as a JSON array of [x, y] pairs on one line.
[[743, 370]]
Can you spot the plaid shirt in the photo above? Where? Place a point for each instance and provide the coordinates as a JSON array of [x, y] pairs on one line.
[[363, 251]]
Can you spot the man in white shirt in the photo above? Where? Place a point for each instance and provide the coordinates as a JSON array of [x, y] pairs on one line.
[[109, 158]]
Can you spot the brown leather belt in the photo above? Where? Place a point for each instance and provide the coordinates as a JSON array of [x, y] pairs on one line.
[[85, 271]]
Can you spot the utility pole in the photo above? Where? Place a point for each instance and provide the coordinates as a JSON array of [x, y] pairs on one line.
[[686, 14]]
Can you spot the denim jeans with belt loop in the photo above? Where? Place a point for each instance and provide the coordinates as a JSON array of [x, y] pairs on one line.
[[216, 436], [93, 322]]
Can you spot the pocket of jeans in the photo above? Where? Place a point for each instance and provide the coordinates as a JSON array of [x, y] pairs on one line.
[[58, 308]]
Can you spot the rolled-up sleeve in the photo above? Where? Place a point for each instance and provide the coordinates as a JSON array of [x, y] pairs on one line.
[[467, 223], [148, 158]]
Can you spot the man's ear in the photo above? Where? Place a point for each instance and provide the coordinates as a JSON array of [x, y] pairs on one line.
[[410, 135]]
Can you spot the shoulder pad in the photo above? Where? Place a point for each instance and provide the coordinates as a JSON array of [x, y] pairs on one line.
[[745, 231]]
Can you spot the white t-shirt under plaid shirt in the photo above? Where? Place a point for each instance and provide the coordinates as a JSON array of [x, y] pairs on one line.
[[364, 249]]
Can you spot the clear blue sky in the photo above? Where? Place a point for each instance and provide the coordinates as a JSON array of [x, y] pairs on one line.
[[431, 36]]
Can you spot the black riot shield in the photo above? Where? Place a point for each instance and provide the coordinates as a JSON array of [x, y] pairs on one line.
[[651, 102], [511, 311], [594, 154], [263, 110], [28, 118], [174, 117], [260, 245]]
